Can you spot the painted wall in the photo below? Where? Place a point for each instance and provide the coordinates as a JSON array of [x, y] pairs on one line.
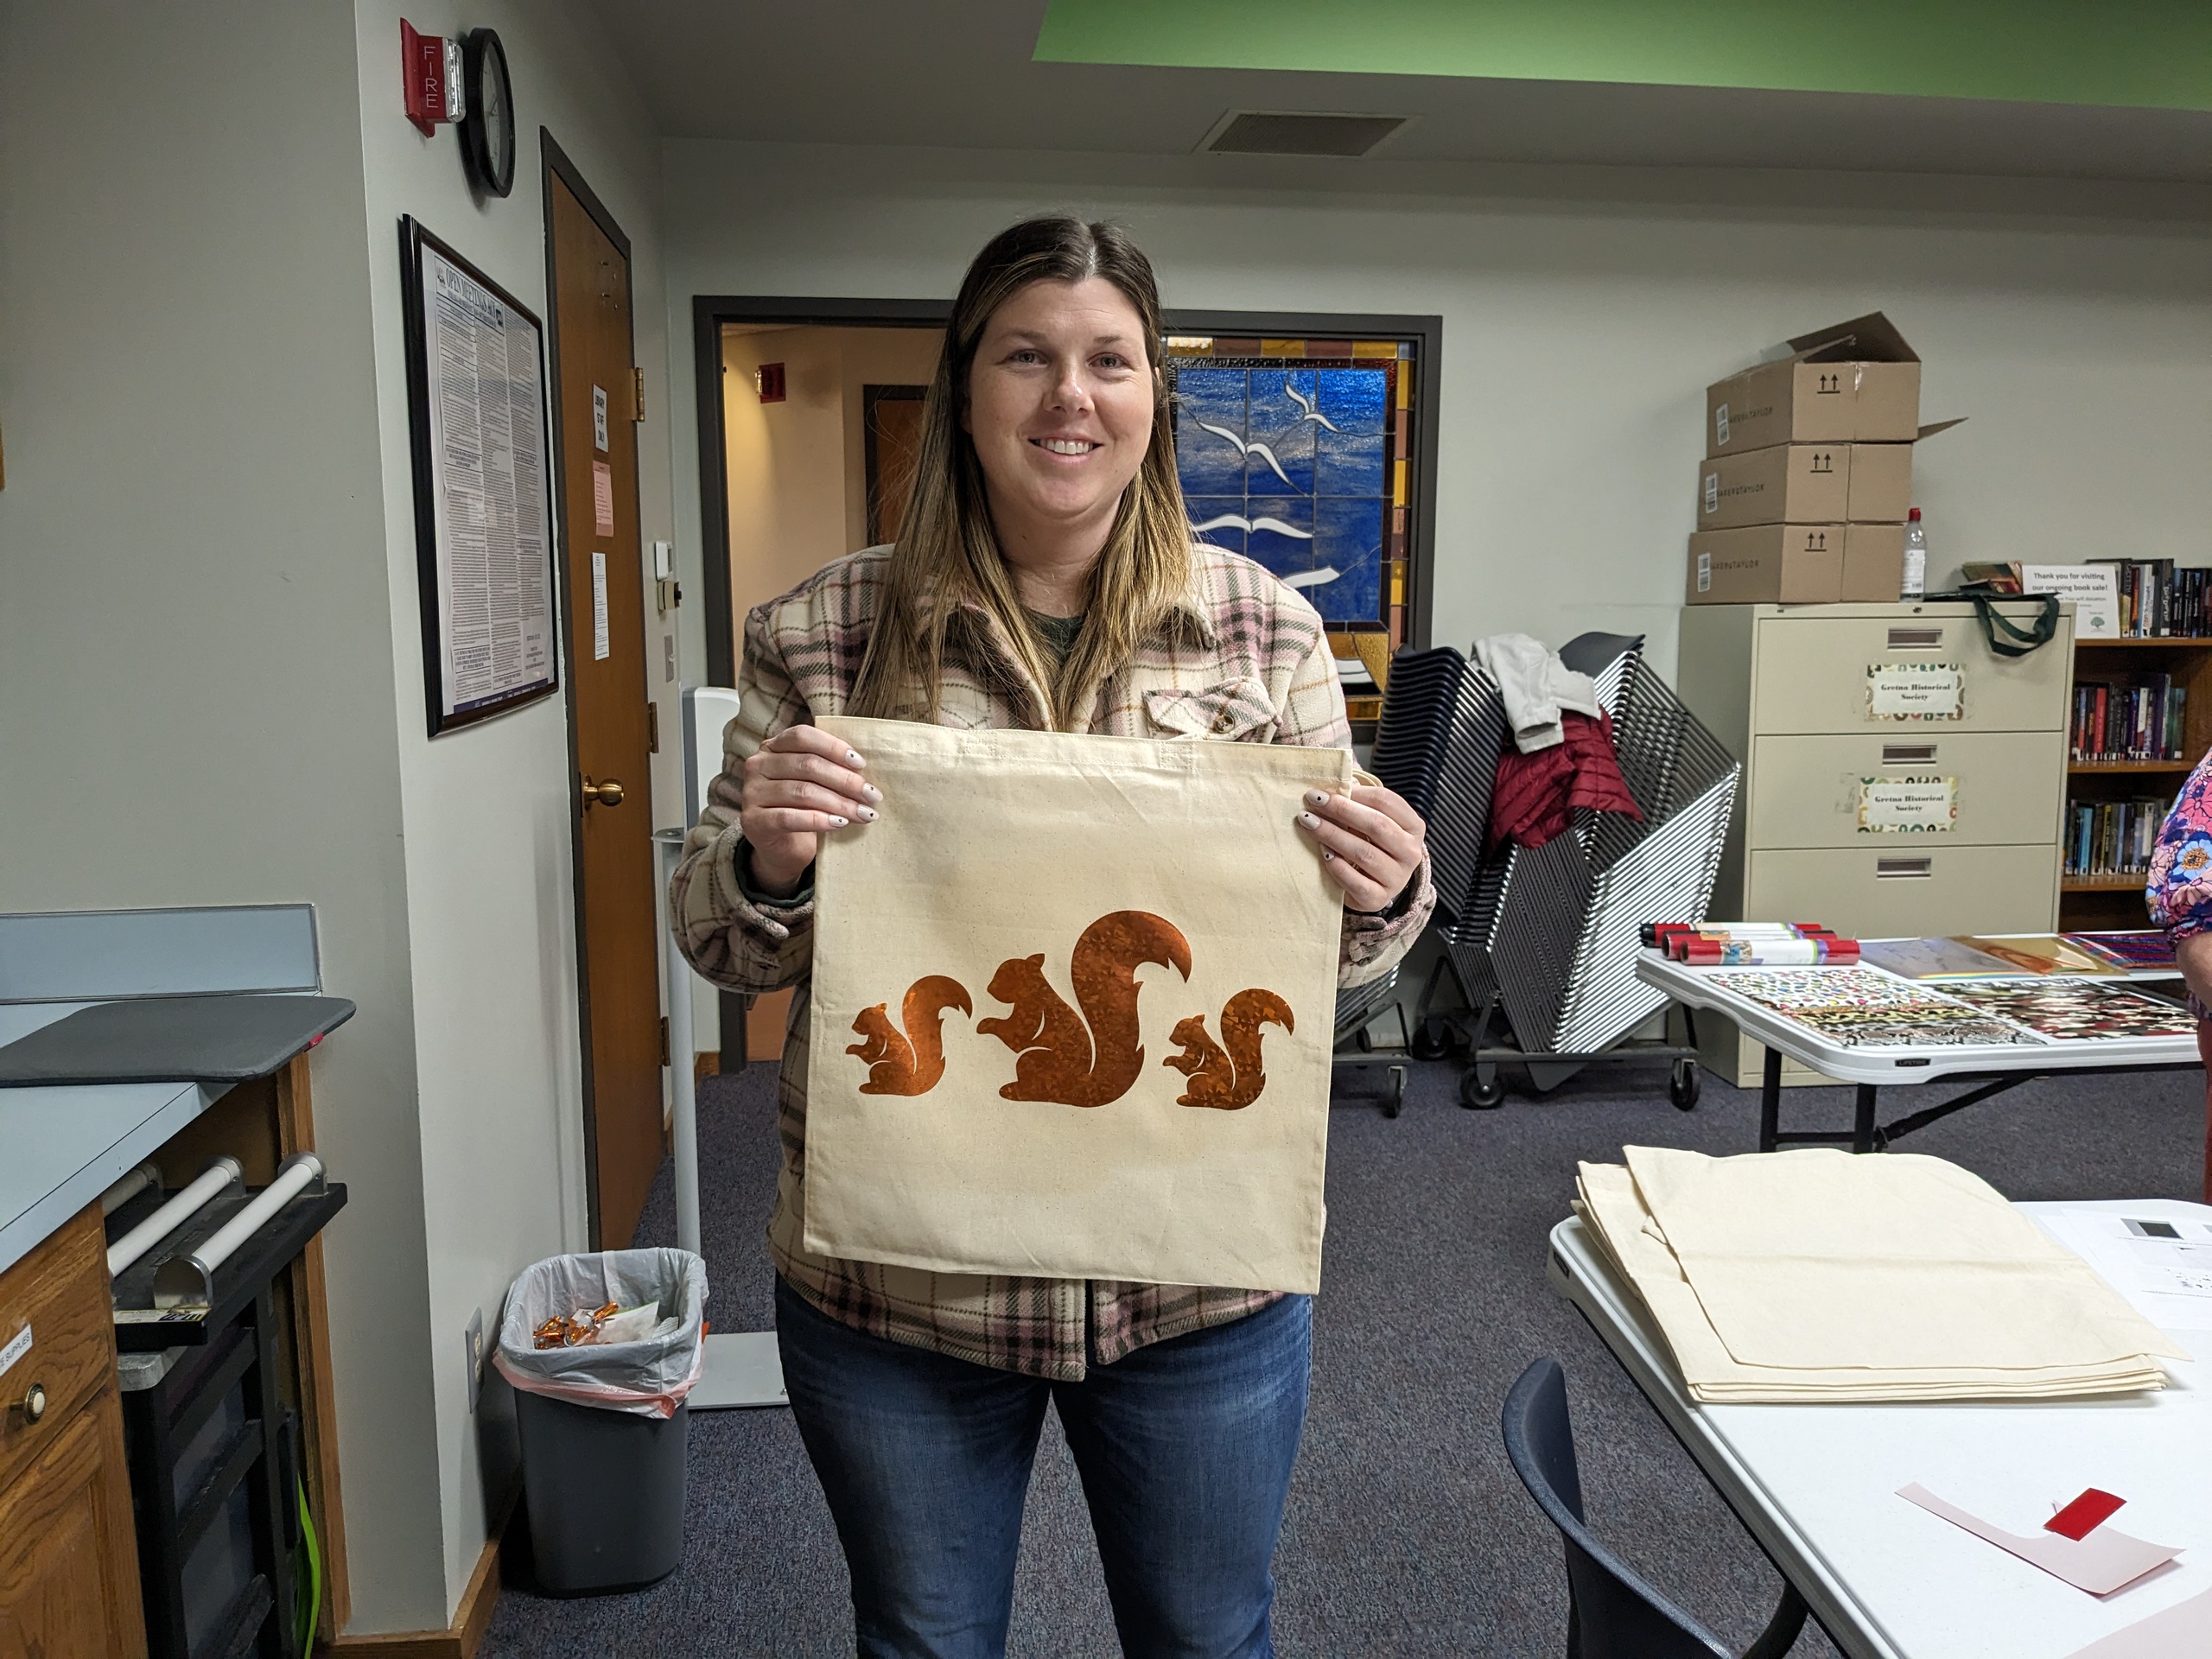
[[196, 632], [485, 811], [1585, 311], [797, 470]]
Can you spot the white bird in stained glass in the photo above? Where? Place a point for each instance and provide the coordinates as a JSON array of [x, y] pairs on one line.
[[1263, 522], [1327, 573], [1244, 449], [1306, 409]]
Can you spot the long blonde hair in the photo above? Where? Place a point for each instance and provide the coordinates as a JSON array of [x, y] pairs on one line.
[[948, 556]]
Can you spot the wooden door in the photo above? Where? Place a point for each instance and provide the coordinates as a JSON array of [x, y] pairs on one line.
[[618, 934], [68, 1563]]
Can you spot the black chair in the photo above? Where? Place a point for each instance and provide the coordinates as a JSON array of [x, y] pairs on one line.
[[1611, 1613]]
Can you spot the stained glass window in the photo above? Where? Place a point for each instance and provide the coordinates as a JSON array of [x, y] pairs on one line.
[[1289, 461]]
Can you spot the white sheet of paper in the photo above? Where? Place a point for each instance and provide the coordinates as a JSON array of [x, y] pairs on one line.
[[602, 497], [2093, 588], [2100, 1563], [599, 648], [599, 419], [1915, 691], [1904, 806]]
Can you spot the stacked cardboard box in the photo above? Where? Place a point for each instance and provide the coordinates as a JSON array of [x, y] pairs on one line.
[[1807, 474]]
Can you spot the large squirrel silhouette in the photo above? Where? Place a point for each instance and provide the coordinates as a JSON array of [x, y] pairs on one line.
[[1232, 1078], [909, 1062], [1091, 1058]]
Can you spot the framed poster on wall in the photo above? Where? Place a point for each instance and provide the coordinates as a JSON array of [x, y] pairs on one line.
[[476, 399]]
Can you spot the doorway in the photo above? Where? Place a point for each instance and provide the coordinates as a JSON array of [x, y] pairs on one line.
[[596, 410], [819, 424]]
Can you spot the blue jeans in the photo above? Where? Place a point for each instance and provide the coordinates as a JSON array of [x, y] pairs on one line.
[[1184, 1447]]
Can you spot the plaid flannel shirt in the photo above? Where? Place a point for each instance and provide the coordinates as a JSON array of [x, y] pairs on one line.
[[1242, 659]]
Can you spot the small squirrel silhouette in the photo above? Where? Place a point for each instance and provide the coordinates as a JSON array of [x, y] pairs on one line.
[[1232, 1078], [909, 1062], [1090, 1057]]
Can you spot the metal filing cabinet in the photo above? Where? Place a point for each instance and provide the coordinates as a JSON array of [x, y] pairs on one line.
[[1900, 779]]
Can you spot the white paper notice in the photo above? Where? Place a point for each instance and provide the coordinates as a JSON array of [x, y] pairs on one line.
[[599, 645], [2100, 1563], [1915, 691], [1908, 806], [602, 497], [599, 419], [487, 463], [2093, 588]]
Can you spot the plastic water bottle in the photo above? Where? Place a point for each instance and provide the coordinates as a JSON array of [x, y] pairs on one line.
[[1915, 558]]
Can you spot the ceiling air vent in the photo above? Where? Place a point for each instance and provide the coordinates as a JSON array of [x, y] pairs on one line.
[[1255, 132]]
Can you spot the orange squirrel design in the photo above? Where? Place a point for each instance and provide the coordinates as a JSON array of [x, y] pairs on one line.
[[1091, 1058], [897, 1065], [1233, 1078]]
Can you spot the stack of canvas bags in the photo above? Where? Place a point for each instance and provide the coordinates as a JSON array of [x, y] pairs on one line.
[[1820, 1276]]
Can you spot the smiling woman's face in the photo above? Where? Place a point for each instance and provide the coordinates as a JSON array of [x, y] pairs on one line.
[[1060, 406]]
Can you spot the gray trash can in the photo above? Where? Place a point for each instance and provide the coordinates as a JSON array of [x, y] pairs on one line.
[[604, 1425]]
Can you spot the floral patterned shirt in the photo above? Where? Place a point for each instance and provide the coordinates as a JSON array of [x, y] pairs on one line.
[[2179, 891]]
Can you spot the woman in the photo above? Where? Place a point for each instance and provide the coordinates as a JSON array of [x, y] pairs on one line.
[[2180, 896], [1045, 578]]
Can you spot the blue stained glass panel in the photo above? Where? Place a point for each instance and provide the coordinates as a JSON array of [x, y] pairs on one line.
[[1352, 464], [1211, 462], [1282, 533], [1352, 398], [1348, 538], [1281, 401], [1218, 520]]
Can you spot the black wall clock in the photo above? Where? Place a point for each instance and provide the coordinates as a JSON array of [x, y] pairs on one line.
[[487, 131]]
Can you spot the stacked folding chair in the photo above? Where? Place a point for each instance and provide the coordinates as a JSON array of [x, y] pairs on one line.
[[1548, 937]]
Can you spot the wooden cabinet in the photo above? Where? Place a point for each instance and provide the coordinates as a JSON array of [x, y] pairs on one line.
[[68, 1566]]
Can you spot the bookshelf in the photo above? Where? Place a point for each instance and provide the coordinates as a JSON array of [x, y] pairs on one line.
[[2089, 902]]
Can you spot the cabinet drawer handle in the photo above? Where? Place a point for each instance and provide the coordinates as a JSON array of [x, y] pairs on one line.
[[1908, 754], [1915, 638], [35, 1403], [1888, 869]]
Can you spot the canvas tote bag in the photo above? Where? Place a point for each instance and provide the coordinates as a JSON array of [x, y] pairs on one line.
[[1074, 999]]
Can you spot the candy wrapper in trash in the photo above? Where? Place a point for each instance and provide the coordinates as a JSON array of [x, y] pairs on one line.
[[623, 1330]]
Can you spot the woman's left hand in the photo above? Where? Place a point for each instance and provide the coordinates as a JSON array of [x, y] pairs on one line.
[[1370, 841]]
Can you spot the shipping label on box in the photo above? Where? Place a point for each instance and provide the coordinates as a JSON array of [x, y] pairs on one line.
[[1788, 483]]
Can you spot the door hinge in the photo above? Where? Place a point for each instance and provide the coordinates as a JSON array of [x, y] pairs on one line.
[[652, 727], [664, 1037], [637, 393]]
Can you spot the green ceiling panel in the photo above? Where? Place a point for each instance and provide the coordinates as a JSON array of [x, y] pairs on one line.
[[2151, 53]]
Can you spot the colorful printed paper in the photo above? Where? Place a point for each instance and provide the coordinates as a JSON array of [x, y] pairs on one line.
[[2076, 1010], [2134, 947]]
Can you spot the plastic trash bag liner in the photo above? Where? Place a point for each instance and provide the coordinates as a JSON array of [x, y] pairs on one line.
[[647, 1377]]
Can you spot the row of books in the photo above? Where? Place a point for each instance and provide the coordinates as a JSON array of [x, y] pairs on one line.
[[2158, 601], [2113, 838], [2138, 719]]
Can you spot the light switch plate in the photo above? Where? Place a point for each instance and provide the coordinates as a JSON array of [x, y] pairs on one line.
[[474, 1337]]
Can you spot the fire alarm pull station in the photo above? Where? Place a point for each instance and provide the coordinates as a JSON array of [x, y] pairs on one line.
[[431, 69], [768, 378]]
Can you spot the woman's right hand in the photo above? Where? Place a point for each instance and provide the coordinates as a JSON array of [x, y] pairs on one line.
[[799, 785]]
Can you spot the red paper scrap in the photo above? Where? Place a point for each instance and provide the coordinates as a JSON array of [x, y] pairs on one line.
[[2084, 1514]]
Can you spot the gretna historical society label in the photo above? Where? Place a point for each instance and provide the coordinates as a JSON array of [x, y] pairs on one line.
[[1908, 806], [1915, 691]]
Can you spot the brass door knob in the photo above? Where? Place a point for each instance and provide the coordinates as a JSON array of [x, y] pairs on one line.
[[606, 792], [35, 1403]]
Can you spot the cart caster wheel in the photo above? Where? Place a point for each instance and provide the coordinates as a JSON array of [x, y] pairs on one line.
[[1480, 1094], [1363, 1040], [1682, 1087], [1433, 1041], [1395, 1102]]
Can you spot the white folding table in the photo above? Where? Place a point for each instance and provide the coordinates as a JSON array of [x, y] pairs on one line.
[[1992, 1068], [1816, 1485]]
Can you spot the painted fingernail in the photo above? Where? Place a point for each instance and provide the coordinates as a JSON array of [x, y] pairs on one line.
[[871, 791], [1309, 821], [1317, 798], [839, 822], [1327, 856], [852, 760], [867, 813]]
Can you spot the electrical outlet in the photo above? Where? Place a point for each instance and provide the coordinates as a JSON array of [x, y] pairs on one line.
[[474, 1337]]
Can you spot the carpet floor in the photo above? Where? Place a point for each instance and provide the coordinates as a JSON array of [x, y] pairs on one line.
[[1407, 1532]]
